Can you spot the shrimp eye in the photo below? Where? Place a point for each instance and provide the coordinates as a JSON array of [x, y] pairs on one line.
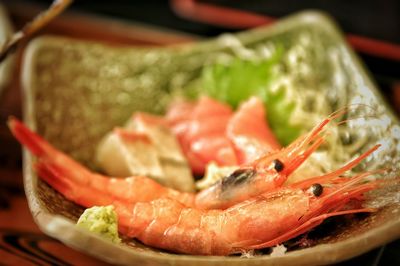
[[278, 165], [317, 189]]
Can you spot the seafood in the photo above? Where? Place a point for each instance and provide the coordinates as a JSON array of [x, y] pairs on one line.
[[200, 130], [210, 131], [265, 174], [261, 222], [145, 146], [249, 133], [73, 180], [162, 218]]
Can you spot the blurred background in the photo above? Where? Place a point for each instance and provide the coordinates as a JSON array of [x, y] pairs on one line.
[[371, 27]]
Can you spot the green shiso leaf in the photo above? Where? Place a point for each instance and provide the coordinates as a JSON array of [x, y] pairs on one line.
[[237, 81]]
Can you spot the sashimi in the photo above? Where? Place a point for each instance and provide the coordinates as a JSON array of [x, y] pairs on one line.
[[218, 149], [145, 146], [207, 107], [209, 131], [205, 118], [249, 131], [180, 111], [214, 125]]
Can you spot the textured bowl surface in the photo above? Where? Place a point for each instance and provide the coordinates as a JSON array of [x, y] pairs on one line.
[[77, 91]]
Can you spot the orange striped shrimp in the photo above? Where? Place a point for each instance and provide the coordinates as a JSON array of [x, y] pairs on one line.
[[75, 181], [263, 175], [261, 222]]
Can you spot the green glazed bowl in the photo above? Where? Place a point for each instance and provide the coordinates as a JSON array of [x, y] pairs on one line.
[[75, 92]]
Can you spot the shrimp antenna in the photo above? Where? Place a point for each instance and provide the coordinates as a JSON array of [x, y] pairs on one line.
[[353, 107]]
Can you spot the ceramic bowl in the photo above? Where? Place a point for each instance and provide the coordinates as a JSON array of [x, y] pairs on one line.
[[76, 91]]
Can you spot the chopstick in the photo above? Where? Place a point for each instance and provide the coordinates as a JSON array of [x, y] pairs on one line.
[[36, 24]]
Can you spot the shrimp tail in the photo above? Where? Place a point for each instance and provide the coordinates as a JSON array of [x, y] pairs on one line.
[[48, 155], [37, 145], [84, 195], [62, 185], [64, 174], [82, 186]]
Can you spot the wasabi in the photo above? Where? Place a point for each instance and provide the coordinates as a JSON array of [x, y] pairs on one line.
[[102, 221]]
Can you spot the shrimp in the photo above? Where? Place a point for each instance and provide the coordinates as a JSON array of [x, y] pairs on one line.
[[75, 181], [265, 174], [268, 172], [264, 221]]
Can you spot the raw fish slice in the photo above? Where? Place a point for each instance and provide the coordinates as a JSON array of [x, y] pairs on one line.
[[126, 153], [206, 127], [156, 128], [249, 132], [218, 149], [192, 121], [147, 147], [180, 111], [207, 107]]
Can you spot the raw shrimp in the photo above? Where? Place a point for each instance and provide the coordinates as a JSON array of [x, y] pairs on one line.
[[261, 222], [266, 173], [164, 222], [73, 180], [263, 175]]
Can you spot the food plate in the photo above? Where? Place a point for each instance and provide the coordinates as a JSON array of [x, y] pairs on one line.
[[76, 91]]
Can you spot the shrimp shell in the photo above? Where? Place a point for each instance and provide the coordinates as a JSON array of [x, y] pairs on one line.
[[257, 223]]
